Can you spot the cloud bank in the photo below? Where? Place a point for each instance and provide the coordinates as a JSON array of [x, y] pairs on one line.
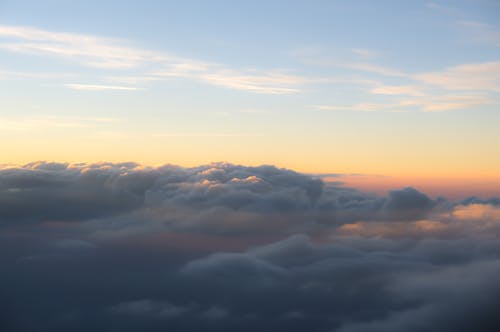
[[126, 247]]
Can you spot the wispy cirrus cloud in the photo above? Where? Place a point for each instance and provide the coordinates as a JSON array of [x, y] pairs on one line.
[[480, 32], [391, 88], [208, 135], [479, 76], [365, 53], [21, 124], [424, 103], [397, 90], [483, 76], [463, 86], [132, 67], [375, 69], [85, 49], [361, 66], [98, 87], [118, 55], [363, 107]]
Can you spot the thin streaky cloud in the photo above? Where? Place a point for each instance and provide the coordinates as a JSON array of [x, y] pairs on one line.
[[86, 49], [255, 111], [480, 76], [476, 81], [9, 74], [133, 79], [367, 67], [52, 122], [270, 84], [452, 102], [483, 76], [445, 9], [397, 90], [38, 124], [98, 87], [375, 69], [207, 135], [480, 32], [365, 53], [116, 54], [424, 103], [363, 107]]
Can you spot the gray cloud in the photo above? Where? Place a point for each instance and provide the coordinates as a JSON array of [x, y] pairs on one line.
[[407, 203], [219, 197], [368, 284], [123, 247], [149, 308]]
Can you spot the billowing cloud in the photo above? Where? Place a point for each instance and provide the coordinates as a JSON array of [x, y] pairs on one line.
[[126, 247], [215, 198], [407, 203], [149, 308]]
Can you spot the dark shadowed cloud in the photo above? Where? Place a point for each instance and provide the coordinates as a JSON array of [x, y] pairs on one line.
[[123, 247]]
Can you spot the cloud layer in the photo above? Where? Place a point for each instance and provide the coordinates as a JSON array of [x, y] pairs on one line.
[[124, 247]]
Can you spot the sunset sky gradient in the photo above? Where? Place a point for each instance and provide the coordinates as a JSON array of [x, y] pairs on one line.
[[279, 165], [396, 89]]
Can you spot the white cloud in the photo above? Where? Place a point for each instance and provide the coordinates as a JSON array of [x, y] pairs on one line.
[[365, 53], [85, 49], [450, 103], [464, 86], [51, 122], [474, 77], [360, 107], [206, 135], [423, 102], [98, 87], [270, 83], [479, 32], [133, 66], [371, 68], [115, 54], [397, 90]]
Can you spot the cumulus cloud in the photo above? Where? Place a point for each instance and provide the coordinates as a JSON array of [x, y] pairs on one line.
[[148, 308], [127, 198], [407, 203], [126, 247], [476, 212], [50, 192], [368, 283], [215, 313]]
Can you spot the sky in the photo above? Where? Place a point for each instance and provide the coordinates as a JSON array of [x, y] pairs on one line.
[[328, 166], [402, 89]]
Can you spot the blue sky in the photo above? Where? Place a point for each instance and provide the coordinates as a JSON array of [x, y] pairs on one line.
[[288, 82]]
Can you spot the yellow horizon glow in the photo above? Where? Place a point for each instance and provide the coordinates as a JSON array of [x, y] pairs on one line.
[[189, 156]]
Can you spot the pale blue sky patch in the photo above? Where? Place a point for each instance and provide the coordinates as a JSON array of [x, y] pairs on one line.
[[178, 66]]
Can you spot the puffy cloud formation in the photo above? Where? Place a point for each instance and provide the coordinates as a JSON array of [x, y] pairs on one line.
[[219, 197], [123, 247], [48, 191]]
